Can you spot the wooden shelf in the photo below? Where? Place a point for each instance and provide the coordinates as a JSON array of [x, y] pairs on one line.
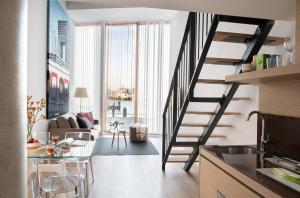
[[289, 72]]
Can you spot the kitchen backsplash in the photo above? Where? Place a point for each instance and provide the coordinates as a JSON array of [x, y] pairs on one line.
[[284, 134]]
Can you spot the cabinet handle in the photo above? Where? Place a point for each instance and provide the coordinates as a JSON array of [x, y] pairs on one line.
[[220, 195]]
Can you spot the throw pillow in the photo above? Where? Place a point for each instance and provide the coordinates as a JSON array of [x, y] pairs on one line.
[[84, 123], [73, 123], [62, 122], [87, 115]]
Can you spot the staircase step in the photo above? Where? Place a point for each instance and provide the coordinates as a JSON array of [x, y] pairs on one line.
[[197, 135], [222, 61], [211, 113], [211, 81], [233, 37], [203, 125], [202, 99]]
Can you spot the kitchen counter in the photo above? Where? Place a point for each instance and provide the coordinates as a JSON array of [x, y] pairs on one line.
[[244, 167]]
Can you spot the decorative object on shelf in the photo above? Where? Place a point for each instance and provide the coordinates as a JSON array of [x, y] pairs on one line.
[[34, 114], [261, 61], [289, 47], [267, 61], [248, 68], [115, 124], [80, 92]]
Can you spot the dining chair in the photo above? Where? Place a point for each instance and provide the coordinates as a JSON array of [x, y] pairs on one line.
[[86, 161], [55, 177]]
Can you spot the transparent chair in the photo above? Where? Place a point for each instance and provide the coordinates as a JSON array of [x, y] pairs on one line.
[[79, 139], [54, 177]]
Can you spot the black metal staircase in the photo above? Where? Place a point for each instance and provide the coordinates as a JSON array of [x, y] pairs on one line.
[[200, 32]]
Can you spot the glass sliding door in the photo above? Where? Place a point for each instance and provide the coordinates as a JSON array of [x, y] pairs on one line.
[[137, 73], [120, 75]]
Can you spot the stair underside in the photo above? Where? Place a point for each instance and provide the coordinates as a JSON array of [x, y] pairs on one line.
[[197, 135], [211, 81], [240, 98], [222, 61], [204, 125], [243, 38], [211, 113]]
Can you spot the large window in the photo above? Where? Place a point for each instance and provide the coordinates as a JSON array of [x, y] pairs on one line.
[[136, 62], [121, 66]]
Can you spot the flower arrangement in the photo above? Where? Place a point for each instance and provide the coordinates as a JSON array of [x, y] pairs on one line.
[[116, 124], [34, 114]]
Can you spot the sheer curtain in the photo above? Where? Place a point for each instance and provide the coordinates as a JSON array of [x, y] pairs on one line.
[[87, 63], [153, 71]]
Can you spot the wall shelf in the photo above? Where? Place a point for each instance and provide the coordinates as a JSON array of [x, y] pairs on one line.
[[289, 72]]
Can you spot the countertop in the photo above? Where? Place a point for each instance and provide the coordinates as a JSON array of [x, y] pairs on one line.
[[247, 164]]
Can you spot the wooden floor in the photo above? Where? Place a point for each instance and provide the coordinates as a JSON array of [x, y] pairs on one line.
[[133, 176]]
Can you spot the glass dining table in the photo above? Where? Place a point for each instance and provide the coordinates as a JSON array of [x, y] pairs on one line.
[[82, 151]]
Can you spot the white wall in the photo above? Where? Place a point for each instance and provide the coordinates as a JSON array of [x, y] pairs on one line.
[[37, 46], [37, 52], [243, 132], [178, 23]]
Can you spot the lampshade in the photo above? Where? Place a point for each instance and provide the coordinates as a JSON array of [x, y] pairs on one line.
[[80, 92]]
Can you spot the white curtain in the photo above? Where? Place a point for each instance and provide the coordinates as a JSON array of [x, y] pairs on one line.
[[153, 71], [136, 59], [87, 63]]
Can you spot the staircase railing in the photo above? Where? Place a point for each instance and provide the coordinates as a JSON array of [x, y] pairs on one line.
[[184, 79]]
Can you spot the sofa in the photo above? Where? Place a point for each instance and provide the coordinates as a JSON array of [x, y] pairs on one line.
[[69, 123]]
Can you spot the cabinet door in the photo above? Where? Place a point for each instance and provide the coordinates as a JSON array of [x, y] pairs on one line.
[[230, 188], [208, 179]]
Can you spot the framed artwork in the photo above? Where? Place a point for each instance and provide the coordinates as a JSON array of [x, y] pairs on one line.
[[58, 60]]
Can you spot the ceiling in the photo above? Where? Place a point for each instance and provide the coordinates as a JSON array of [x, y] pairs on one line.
[[271, 9], [121, 14]]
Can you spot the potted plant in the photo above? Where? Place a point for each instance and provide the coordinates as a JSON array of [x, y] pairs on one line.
[[34, 114], [116, 124]]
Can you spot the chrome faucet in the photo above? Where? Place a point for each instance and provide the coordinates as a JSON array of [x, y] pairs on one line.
[[263, 139]]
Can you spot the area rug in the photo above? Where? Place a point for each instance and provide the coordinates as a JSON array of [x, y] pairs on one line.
[[103, 147]]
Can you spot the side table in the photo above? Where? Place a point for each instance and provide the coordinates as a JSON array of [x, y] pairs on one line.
[[118, 132]]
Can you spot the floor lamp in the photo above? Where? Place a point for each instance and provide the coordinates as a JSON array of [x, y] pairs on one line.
[[80, 92]]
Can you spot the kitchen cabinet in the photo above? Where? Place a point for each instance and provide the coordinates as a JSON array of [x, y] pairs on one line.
[[214, 182]]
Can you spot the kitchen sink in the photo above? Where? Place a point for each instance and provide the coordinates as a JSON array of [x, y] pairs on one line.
[[237, 150]]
